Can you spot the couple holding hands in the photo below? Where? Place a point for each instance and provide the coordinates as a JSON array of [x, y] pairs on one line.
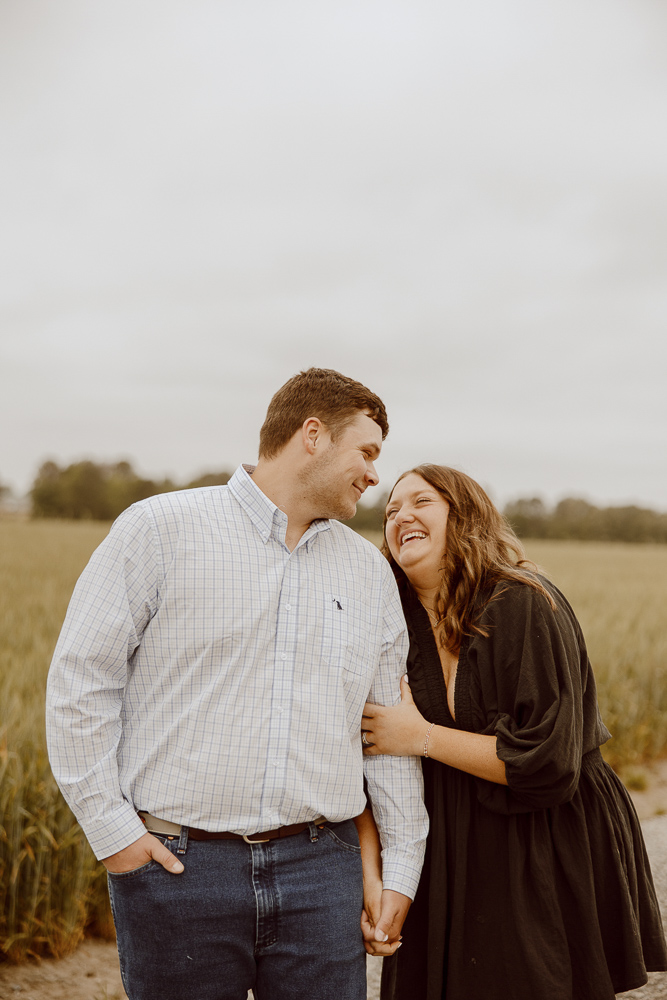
[[262, 724]]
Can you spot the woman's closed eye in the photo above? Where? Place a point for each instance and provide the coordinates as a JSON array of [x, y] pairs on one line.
[[392, 511]]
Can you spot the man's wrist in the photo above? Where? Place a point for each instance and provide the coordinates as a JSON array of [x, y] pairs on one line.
[[399, 876], [399, 897], [120, 829]]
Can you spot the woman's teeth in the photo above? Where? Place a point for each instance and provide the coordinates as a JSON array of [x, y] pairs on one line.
[[412, 534]]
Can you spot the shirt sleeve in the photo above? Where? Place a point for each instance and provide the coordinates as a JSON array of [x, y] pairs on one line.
[[395, 784], [529, 675], [112, 603]]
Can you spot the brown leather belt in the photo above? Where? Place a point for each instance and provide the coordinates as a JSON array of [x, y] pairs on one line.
[[156, 825], [252, 838]]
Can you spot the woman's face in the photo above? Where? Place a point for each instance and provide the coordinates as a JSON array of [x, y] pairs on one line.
[[416, 530]]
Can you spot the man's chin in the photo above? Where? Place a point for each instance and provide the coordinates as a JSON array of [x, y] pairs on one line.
[[348, 516], [343, 513]]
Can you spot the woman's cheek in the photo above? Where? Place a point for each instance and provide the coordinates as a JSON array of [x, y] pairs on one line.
[[391, 540]]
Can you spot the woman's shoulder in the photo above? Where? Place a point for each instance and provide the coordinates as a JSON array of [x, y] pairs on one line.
[[513, 609], [520, 594], [515, 605]]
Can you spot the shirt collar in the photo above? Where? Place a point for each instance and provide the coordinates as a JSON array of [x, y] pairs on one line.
[[263, 513]]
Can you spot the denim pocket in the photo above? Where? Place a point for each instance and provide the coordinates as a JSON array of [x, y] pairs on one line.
[[342, 834], [169, 842], [115, 876]]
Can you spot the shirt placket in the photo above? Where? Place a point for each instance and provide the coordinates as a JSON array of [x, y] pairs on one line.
[[284, 662]]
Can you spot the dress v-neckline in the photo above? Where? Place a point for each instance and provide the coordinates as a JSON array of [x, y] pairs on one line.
[[432, 667]]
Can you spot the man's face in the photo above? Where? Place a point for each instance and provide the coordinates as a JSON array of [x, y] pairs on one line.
[[341, 470]]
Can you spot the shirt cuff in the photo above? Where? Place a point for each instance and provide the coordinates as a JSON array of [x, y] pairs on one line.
[[401, 872], [120, 828]]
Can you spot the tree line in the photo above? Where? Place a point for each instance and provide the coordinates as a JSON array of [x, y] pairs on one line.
[[577, 519], [99, 491]]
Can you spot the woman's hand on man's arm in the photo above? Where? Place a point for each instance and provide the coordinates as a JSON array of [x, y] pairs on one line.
[[402, 730], [399, 730]]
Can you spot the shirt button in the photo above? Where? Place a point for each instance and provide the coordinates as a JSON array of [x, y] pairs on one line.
[[279, 709], [283, 656], [288, 607]]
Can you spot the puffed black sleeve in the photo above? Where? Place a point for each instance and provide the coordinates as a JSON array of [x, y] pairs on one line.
[[532, 687]]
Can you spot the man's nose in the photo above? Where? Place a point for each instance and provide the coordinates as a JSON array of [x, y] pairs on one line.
[[371, 475]]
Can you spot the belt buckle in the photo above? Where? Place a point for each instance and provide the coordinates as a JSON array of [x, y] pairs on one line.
[[249, 841]]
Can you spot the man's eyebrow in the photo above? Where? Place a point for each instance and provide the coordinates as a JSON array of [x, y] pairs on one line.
[[372, 447]]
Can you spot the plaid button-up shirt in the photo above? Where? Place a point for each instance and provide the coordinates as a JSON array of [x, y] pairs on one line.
[[208, 675]]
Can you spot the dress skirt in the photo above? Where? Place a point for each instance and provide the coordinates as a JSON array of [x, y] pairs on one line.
[[554, 904]]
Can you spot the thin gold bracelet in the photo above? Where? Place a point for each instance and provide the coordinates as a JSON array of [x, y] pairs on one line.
[[428, 733]]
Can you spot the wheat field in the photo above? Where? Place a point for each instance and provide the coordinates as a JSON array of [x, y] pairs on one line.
[[51, 887], [619, 593], [52, 891]]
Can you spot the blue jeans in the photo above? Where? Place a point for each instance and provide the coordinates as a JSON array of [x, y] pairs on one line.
[[280, 918]]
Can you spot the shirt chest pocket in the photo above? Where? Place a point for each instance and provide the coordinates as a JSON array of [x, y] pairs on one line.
[[349, 638], [350, 648]]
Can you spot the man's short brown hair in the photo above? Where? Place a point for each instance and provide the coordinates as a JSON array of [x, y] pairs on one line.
[[317, 392]]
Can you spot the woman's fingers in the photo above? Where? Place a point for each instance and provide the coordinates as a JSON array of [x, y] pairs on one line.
[[374, 724], [395, 729], [381, 950], [368, 740]]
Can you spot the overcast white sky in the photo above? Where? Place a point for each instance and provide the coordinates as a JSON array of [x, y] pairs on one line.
[[464, 205]]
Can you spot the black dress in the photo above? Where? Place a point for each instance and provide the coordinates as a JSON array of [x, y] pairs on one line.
[[540, 890]]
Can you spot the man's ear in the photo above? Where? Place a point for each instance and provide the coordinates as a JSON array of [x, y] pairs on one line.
[[312, 432]]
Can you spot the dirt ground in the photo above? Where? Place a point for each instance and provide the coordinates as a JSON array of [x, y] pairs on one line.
[[651, 801], [92, 972]]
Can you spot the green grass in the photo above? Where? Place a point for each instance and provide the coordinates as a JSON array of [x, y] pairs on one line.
[[52, 891]]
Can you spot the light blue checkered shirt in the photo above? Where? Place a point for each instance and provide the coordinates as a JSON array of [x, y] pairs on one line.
[[207, 675]]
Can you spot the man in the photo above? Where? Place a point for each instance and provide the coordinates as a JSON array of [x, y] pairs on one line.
[[204, 713]]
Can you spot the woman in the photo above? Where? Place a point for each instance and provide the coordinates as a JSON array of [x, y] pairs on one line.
[[536, 884]]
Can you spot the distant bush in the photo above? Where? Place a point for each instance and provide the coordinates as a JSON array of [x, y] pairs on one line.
[[578, 520], [99, 492], [210, 479], [369, 519]]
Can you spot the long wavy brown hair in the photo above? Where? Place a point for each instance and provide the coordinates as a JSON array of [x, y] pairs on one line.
[[481, 551]]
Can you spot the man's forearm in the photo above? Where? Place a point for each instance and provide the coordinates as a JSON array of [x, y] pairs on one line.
[[369, 841], [396, 791], [109, 821]]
